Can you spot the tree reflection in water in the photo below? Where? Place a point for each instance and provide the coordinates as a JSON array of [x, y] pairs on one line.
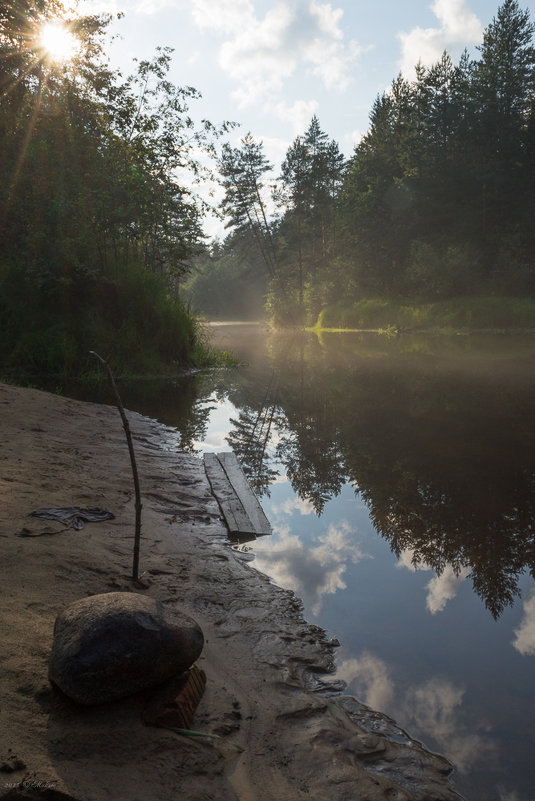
[[251, 437], [439, 445]]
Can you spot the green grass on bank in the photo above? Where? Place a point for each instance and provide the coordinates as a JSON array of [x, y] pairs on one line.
[[131, 319], [456, 314]]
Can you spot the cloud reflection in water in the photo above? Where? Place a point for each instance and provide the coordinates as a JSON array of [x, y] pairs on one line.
[[435, 709], [442, 588], [293, 504], [312, 571], [369, 679], [432, 709], [524, 641]]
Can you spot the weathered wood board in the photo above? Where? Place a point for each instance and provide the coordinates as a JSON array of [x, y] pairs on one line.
[[239, 505]]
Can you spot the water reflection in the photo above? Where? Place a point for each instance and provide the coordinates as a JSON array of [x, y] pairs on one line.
[[440, 447], [429, 444], [369, 679], [436, 436], [313, 568], [442, 588], [524, 641], [434, 708], [250, 438]]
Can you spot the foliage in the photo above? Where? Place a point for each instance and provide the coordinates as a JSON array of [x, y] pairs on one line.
[[310, 180], [242, 170], [98, 219], [460, 314], [436, 195], [435, 203], [132, 315]]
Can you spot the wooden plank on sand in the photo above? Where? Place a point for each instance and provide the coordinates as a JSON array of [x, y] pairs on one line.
[[239, 505]]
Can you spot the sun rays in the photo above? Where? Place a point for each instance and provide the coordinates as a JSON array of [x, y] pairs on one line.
[[57, 41], [46, 47]]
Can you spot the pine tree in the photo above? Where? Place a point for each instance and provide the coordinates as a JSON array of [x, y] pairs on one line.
[[242, 171]]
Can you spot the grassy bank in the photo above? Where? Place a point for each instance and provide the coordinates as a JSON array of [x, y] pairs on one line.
[[457, 314], [132, 319]]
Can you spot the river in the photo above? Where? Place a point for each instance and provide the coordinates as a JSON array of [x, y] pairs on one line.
[[399, 477]]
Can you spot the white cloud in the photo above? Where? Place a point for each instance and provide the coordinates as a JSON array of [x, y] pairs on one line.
[[150, 7], [329, 18], [291, 505], [141, 7], [101, 7], [406, 560], [443, 588], [368, 678], [225, 15], [435, 707], [275, 149], [261, 53], [298, 114], [331, 61], [431, 709], [440, 589], [524, 641], [458, 22], [257, 56], [459, 28], [311, 571]]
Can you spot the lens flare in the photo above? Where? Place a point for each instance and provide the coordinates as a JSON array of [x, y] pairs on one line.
[[57, 41]]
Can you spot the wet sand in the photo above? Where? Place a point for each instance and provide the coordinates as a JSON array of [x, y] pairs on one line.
[[267, 670]]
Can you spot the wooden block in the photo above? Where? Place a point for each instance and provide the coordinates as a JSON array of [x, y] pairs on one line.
[[231, 507], [243, 490], [239, 505]]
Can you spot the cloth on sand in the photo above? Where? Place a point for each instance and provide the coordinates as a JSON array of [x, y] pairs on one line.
[[73, 516]]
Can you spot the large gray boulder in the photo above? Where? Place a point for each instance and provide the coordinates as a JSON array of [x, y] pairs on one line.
[[111, 645]]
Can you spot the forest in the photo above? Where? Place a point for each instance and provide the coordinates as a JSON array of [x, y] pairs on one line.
[[101, 221], [99, 215], [432, 214]]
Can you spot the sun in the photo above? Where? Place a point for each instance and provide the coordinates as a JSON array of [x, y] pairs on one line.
[[57, 41]]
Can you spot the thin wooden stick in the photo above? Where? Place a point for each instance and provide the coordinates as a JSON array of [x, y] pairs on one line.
[[138, 505]]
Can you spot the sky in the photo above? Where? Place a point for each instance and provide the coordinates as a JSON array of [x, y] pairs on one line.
[[270, 65]]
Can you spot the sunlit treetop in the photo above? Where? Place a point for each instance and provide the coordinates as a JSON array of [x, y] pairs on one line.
[[46, 33]]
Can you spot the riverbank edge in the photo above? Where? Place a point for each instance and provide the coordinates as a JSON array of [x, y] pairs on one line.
[[462, 315], [393, 331], [267, 668]]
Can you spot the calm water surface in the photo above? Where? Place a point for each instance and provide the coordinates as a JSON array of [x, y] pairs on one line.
[[399, 476]]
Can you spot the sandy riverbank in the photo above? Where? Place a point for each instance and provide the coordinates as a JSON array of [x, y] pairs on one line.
[[264, 663]]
